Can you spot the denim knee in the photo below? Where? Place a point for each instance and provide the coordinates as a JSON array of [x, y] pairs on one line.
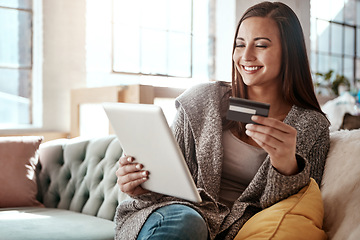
[[174, 222]]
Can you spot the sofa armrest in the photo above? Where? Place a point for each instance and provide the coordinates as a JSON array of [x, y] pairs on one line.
[[341, 186]]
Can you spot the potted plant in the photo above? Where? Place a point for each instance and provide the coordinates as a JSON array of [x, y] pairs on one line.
[[331, 84]]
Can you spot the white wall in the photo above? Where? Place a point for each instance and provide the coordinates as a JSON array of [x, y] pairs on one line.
[[225, 31], [63, 59]]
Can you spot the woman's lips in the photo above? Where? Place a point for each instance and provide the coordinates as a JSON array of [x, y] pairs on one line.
[[251, 68]]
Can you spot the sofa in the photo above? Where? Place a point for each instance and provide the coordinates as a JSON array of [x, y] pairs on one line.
[[76, 191]]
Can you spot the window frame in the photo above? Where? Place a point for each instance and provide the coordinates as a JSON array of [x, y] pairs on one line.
[[317, 53], [18, 98], [140, 73], [35, 97]]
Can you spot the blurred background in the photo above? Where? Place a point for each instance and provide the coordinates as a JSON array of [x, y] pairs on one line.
[[49, 48]]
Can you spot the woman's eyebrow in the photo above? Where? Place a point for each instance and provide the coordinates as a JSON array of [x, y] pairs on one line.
[[255, 39], [262, 38]]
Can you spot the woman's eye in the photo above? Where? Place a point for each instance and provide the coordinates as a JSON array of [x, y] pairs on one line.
[[240, 45], [261, 46]]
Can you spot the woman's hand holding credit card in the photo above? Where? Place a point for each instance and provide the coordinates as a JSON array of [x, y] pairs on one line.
[[274, 136]]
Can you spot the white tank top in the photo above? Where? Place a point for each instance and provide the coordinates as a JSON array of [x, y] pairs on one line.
[[240, 164]]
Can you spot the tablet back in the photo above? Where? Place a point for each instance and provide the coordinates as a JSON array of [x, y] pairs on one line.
[[143, 133]]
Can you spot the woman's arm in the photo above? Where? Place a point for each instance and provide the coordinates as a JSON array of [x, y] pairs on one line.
[[182, 133], [318, 154], [312, 145]]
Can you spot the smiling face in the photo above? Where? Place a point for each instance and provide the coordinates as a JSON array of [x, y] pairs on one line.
[[257, 55]]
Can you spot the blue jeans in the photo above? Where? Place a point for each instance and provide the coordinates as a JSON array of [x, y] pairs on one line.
[[174, 222]]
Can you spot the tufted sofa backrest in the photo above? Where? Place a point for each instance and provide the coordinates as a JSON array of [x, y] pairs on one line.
[[79, 175]]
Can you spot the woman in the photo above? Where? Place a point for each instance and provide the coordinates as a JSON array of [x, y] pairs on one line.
[[239, 169]]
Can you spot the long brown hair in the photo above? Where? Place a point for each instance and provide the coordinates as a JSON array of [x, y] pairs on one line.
[[297, 84]]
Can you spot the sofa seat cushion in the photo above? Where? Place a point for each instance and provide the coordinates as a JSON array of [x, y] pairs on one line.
[[49, 223]]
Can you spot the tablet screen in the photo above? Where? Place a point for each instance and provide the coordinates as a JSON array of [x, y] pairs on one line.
[[144, 133]]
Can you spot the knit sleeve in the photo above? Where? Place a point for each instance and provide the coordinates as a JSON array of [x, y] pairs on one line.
[[183, 134], [313, 155], [279, 186], [318, 154]]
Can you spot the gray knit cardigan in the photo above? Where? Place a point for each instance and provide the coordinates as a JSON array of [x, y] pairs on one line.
[[198, 130]]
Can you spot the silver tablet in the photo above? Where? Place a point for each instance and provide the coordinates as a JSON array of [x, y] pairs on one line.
[[144, 133]]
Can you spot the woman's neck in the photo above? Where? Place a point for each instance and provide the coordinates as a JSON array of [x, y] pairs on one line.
[[279, 107]]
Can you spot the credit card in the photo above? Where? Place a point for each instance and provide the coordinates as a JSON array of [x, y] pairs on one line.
[[241, 109]]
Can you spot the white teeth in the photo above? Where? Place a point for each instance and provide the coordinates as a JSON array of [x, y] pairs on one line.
[[251, 68]]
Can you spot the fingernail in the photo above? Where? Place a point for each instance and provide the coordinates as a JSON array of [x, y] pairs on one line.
[[254, 118], [248, 126], [129, 159], [138, 166], [247, 132], [145, 173]]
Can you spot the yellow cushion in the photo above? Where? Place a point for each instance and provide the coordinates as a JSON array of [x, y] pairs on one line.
[[298, 217]]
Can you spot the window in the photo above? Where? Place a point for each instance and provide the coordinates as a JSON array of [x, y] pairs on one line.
[[161, 37], [15, 63], [335, 38]]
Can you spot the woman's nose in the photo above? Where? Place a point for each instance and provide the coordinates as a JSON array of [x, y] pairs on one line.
[[248, 54]]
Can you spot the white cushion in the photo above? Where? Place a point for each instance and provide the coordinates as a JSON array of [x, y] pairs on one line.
[[341, 186]]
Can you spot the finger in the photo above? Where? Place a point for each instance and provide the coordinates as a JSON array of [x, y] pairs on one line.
[[122, 180], [271, 122], [270, 150], [275, 128], [275, 151], [270, 136], [266, 133], [263, 140], [130, 187], [126, 160], [129, 168]]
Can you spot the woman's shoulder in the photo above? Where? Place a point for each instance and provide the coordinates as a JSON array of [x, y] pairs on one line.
[[308, 118], [312, 129], [203, 92]]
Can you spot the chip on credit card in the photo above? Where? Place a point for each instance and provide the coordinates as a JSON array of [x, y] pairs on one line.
[[241, 109]]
